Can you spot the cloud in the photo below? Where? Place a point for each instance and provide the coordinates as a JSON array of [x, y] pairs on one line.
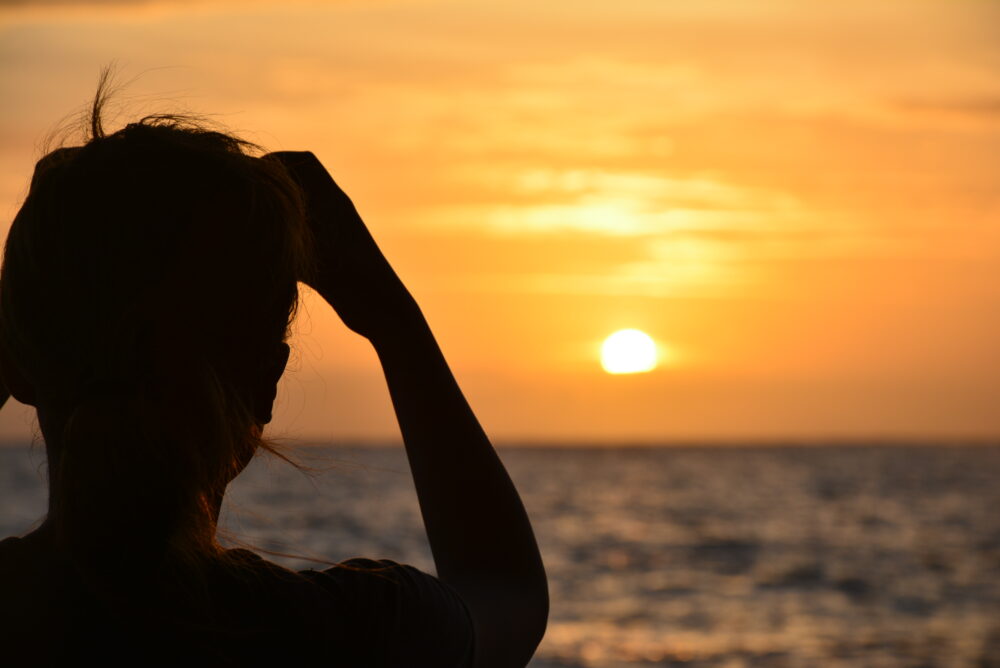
[[975, 108], [74, 3], [545, 200], [112, 4], [42, 9]]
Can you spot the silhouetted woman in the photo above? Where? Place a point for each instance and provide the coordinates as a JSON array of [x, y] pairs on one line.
[[148, 284]]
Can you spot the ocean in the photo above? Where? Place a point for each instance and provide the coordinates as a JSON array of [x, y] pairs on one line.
[[724, 557]]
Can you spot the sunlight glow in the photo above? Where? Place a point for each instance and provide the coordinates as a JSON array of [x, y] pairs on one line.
[[783, 191], [628, 351]]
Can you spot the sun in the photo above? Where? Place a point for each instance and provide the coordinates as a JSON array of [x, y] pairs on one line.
[[628, 351]]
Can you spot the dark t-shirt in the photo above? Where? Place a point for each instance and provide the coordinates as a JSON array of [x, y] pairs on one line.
[[248, 612]]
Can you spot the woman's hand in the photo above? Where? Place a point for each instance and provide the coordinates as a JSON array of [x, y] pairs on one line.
[[351, 272]]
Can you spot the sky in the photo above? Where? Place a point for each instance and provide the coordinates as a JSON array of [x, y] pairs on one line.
[[799, 201]]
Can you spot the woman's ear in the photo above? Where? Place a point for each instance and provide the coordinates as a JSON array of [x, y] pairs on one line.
[[14, 382], [267, 383]]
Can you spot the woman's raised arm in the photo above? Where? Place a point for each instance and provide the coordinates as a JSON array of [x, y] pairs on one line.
[[479, 533]]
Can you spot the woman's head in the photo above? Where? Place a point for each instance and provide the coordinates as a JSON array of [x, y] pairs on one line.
[[147, 288]]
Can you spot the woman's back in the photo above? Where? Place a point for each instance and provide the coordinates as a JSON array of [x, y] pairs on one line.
[[246, 611]]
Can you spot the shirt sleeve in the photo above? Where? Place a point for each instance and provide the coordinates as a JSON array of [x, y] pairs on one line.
[[405, 617]]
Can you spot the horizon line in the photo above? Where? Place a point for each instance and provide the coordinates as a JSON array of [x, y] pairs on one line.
[[633, 444]]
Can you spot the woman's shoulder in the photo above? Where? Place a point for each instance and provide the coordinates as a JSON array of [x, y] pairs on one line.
[[26, 570], [361, 611], [15, 547], [10, 548], [397, 611]]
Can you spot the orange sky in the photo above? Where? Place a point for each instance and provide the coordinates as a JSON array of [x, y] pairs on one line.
[[798, 200]]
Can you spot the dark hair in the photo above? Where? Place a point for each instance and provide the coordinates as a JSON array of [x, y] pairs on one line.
[[148, 284]]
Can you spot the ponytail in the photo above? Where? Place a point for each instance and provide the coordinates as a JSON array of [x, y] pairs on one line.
[[136, 477], [99, 498]]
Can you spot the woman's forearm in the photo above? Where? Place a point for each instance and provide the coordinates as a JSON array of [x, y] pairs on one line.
[[479, 533]]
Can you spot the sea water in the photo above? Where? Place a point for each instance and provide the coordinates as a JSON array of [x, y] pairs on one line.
[[783, 557]]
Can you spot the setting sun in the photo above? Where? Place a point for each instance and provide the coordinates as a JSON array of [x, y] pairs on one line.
[[628, 351]]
